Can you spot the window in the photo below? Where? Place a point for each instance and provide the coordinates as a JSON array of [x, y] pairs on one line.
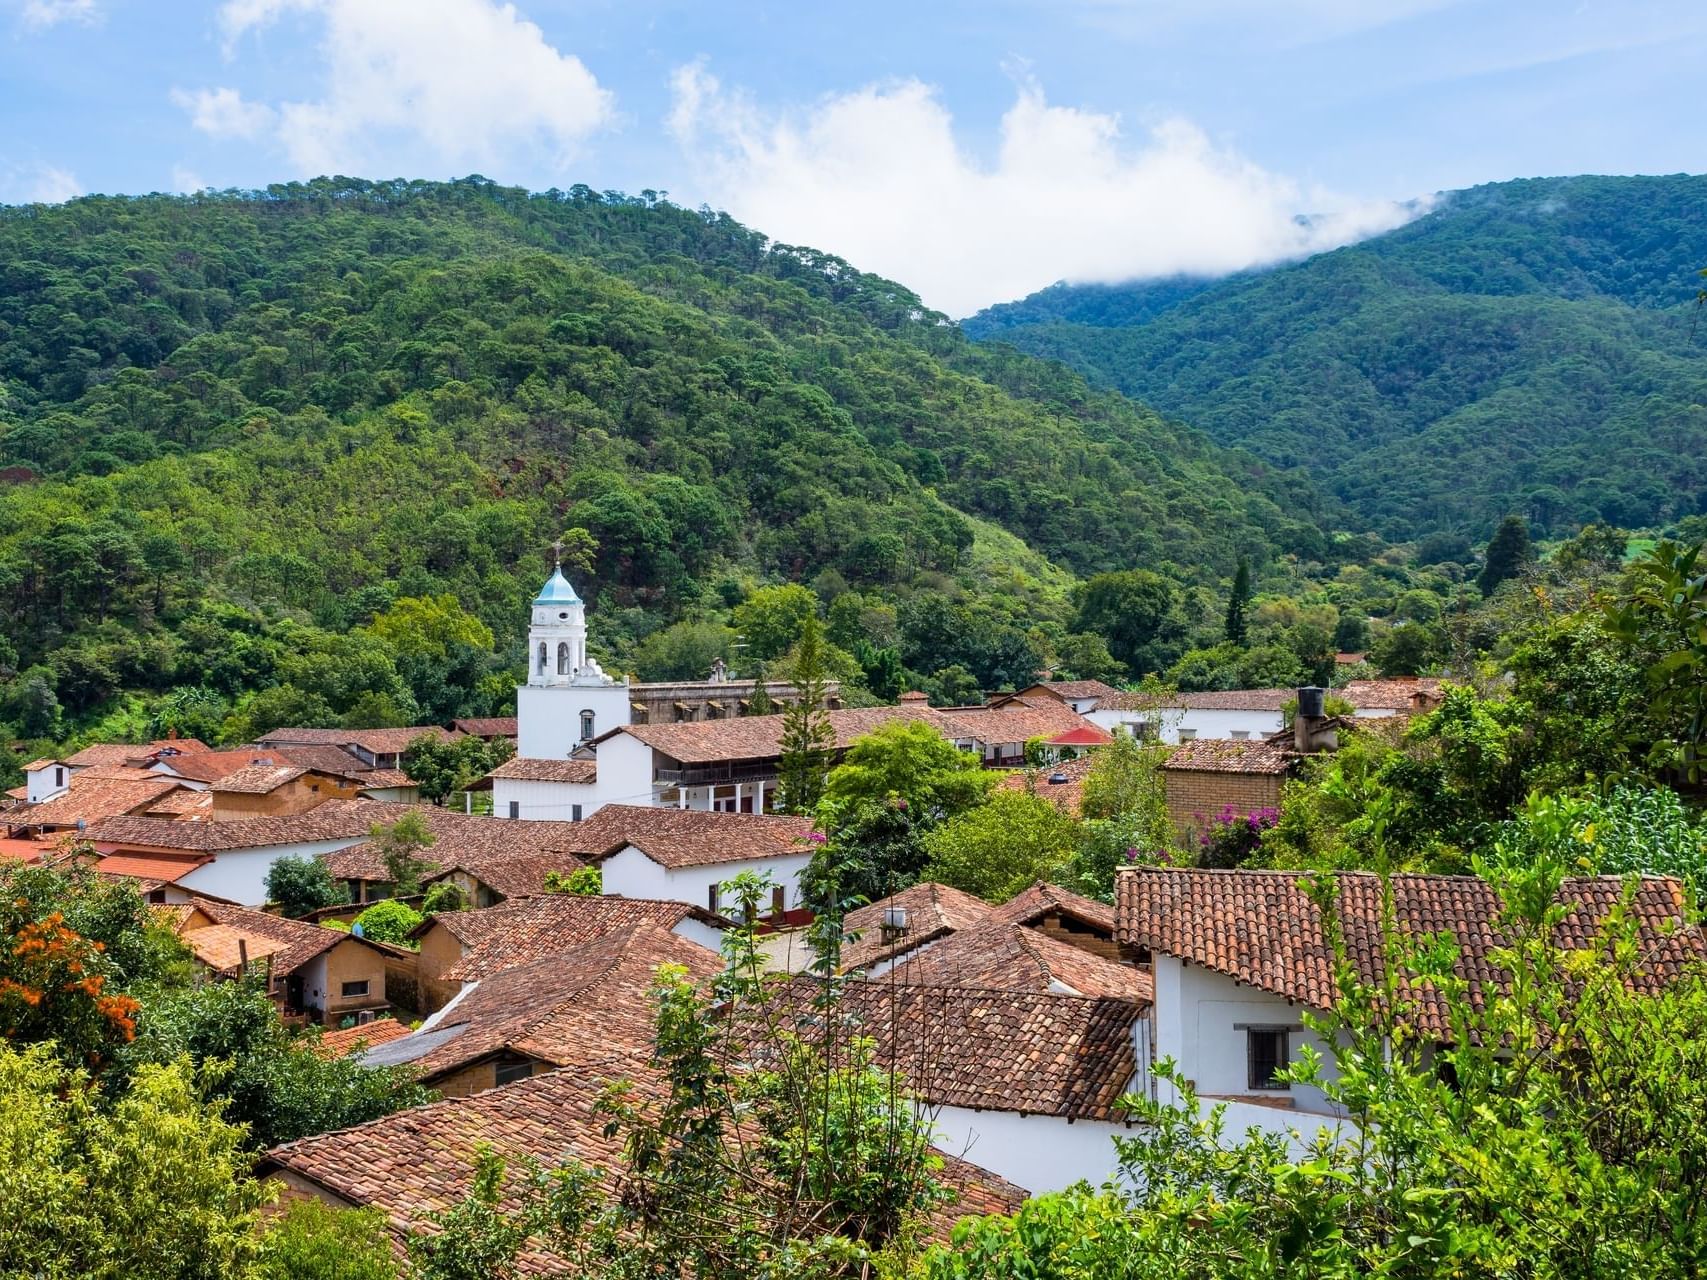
[[563, 658], [586, 725], [1267, 1050], [510, 1072], [353, 989], [1241, 735], [574, 813], [515, 807], [542, 657], [1188, 735], [711, 898], [59, 777]]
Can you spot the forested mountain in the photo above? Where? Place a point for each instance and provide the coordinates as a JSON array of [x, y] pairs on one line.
[[235, 428], [1526, 346]]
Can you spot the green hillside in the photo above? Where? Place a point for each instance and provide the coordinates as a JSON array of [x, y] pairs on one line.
[[237, 428], [1526, 346]]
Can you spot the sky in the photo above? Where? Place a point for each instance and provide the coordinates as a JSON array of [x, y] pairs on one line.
[[974, 150]]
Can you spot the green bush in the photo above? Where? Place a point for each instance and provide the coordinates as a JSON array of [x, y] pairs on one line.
[[389, 921]]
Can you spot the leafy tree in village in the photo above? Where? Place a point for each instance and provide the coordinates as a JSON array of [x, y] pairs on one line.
[[1507, 556], [772, 620], [390, 920], [446, 895], [910, 761], [300, 886], [1238, 604], [807, 738], [1132, 609], [152, 1186], [585, 882], [441, 765], [994, 851], [1084, 655], [400, 845], [310, 1240], [1662, 617]]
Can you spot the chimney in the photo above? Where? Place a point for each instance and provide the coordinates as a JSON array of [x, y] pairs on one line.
[[1310, 733]]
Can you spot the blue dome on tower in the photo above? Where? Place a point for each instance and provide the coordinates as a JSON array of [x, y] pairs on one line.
[[557, 590]]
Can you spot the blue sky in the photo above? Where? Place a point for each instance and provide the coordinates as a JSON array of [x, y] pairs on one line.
[[975, 151]]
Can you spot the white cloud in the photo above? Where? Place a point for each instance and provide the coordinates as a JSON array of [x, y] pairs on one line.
[[224, 113], [40, 14], [186, 181], [878, 177], [38, 184], [470, 81]]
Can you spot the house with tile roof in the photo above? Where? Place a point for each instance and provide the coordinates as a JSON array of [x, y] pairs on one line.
[[490, 860], [1235, 956], [459, 947], [419, 1163], [1062, 783], [578, 1007], [269, 790], [1238, 715], [325, 973], [92, 793], [1028, 1083], [1083, 696]]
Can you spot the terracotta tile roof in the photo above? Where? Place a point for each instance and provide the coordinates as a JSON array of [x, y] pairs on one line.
[[340, 1042], [211, 766], [486, 726], [324, 759], [154, 869], [91, 799], [420, 1162], [470, 840], [43, 763], [1393, 694], [514, 875], [1066, 795], [1084, 735], [378, 741], [1014, 957], [259, 779], [382, 779], [1077, 689], [693, 837], [588, 1007], [298, 941], [521, 769], [933, 911], [114, 773], [520, 932], [183, 805], [1206, 700], [1017, 720], [1042, 899], [223, 948], [1261, 928], [333, 820], [133, 753], [760, 737], [27, 849], [1036, 1053], [1224, 755]]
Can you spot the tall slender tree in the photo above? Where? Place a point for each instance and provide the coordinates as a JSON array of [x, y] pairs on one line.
[[807, 737], [1238, 605], [1507, 556]]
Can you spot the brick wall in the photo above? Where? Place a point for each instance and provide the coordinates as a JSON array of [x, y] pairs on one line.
[[1078, 936], [1198, 791]]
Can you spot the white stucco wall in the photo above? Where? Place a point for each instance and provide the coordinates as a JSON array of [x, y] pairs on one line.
[[241, 874], [43, 784], [543, 801], [548, 717], [1200, 1021], [1206, 724], [699, 931], [633, 875], [1039, 1153]]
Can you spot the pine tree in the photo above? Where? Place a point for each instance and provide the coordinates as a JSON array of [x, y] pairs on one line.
[[1507, 556], [807, 737], [760, 703], [1239, 604]]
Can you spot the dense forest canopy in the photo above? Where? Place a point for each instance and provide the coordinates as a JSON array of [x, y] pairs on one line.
[[234, 427], [1526, 346]]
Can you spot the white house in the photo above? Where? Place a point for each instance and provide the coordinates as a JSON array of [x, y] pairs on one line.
[[686, 855], [1237, 714], [229, 860], [1239, 956]]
